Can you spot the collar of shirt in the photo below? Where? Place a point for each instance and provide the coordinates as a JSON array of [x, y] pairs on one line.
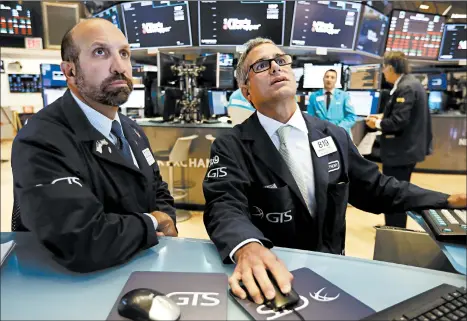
[[395, 84], [97, 120], [331, 91], [271, 125]]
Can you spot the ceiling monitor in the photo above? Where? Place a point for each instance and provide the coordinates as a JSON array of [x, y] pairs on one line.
[[150, 24], [314, 74], [454, 44], [233, 23], [112, 14], [373, 29], [416, 34], [15, 20], [365, 77], [330, 24]]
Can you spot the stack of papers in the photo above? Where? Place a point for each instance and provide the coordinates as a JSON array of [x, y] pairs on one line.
[[6, 250]]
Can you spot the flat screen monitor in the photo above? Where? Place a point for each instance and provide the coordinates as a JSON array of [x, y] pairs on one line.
[[436, 101], [364, 102], [135, 100], [112, 14], [226, 59], [15, 20], [24, 83], [416, 34], [423, 78], [365, 77], [49, 95], [165, 75], [157, 24], [217, 102], [52, 76], [437, 82], [232, 23], [209, 78], [314, 74], [330, 24], [373, 30], [454, 44]]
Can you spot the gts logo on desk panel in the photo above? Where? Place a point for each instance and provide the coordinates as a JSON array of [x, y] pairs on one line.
[[205, 299], [274, 217]]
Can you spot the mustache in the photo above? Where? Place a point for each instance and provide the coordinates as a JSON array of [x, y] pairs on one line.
[[116, 77]]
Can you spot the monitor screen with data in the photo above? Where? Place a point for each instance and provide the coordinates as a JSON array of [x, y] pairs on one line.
[[157, 24], [313, 75], [330, 24], [364, 102], [365, 77], [373, 31], [232, 23], [15, 20], [418, 35], [454, 44], [113, 15]]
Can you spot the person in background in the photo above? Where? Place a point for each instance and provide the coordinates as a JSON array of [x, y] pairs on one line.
[[332, 104], [283, 178], [238, 100], [84, 176], [405, 125]]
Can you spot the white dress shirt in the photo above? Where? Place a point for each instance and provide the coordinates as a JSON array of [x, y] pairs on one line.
[[104, 126], [378, 122], [301, 148]]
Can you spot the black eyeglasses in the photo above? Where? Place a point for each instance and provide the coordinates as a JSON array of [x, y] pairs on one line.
[[265, 64]]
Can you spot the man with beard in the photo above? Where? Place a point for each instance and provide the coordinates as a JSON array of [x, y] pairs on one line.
[[85, 180]]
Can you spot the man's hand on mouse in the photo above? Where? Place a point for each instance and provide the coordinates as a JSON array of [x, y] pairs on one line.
[[166, 225], [253, 260]]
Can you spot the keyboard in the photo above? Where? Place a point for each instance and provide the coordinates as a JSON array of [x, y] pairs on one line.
[[447, 225], [443, 303]]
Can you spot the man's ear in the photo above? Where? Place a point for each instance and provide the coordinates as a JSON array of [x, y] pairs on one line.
[[68, 69], [246, 92]]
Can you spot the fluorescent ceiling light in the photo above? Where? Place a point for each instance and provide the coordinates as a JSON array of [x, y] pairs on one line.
[[447, 10], [424, 6], [458, 16]]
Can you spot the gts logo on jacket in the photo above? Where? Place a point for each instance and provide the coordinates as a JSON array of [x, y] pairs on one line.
[[274, 217]]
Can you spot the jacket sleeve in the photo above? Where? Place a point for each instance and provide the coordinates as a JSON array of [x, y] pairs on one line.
[[312, 105], [164, 200], [59, 208], [400, 115], [349, 114], [374, 192], [226, 215]]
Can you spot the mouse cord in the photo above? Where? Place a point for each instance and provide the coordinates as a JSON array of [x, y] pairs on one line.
[[300, 317]]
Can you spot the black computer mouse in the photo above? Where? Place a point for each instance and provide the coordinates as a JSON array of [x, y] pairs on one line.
[[148, 304]]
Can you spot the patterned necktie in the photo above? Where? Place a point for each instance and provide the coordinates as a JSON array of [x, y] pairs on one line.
[[283, 133], [122, 145]]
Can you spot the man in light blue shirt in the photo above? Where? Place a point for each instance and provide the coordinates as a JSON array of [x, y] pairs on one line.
[[332, 104], [238, 100]]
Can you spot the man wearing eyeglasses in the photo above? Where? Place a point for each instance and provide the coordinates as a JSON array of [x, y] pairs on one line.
[[283, 178]]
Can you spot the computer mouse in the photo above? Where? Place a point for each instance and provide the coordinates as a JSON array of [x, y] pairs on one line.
[[148, 304], [281, 301]]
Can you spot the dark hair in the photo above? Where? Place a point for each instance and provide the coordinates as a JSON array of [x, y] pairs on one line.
[[330, 70], [398, 61], [69, 50]]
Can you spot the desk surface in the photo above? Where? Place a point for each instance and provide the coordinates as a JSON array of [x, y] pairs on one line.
[[149, 123], [52, 293], [456, 253]]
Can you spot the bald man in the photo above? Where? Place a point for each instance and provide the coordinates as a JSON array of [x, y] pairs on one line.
[[84, 175]]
